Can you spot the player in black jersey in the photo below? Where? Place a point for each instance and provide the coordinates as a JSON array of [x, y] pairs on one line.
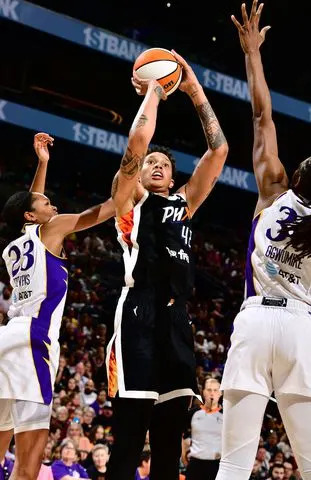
[[150, 356]]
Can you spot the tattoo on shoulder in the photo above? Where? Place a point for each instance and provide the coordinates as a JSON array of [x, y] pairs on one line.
[[213, 132], [143, 119], [131, 163]]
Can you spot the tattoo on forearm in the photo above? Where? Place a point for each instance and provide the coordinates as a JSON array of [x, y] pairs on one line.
[[159, 92], [131, 163], [114, 186], [213, 133], [194, 93], [143, 119]]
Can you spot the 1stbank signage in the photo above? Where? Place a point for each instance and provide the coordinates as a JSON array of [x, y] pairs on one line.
[[126, 49]]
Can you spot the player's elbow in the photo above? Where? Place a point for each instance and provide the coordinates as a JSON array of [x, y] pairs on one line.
[[138, 140], [221, 152]]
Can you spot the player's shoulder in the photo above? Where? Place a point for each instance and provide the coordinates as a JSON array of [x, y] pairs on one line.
[[194, 411]]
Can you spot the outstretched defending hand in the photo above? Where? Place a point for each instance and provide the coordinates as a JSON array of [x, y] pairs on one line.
[[188, 79], [250, 37], [40, 144], [141, 86]]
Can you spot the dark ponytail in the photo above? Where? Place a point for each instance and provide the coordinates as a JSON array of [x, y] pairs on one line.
[[13, 215], [299, 233]]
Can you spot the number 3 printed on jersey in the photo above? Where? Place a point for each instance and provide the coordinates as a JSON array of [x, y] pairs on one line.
[[23, 260], [291, 217]]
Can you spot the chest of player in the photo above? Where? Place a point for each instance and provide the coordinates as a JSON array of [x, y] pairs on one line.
[[173, 223]]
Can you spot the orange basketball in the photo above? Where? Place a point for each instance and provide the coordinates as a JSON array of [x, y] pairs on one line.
[[161, 65]]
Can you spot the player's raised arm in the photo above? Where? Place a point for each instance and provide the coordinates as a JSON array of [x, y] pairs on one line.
[[269, 171], [41, 143], [211, 164], [142, 130], [59, 226]]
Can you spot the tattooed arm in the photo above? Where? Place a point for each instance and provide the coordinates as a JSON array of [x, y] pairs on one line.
[[269, 172], [125, 182], [211, 164]]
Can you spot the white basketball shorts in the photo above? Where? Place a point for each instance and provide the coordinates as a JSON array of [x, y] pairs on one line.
[[270, 348], [23, 416]]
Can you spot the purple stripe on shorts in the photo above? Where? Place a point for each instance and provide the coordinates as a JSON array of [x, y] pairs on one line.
[[250, 289], [56, 288]]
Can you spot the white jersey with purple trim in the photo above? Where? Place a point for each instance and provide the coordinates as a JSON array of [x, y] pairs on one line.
[[29, 348], [272, 268]]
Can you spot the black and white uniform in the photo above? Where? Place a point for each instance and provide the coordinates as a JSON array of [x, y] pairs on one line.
[[151, 352]]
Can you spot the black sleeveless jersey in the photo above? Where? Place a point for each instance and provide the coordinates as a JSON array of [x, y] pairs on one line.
[[156, 240]]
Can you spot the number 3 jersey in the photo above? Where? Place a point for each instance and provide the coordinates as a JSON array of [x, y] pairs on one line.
[[29, 347], [156, 239], [273, 268]]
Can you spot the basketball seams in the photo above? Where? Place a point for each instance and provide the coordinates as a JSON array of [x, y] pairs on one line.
[[154, 61]]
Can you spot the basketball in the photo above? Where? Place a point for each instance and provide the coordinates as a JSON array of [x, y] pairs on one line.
[[161, 65]]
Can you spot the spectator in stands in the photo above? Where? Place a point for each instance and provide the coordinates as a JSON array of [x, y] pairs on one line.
[[106, 418], [200, 343], [63, 373], [271, 443], [75, 433], [99, 403], [277, 458], [143, 469], [262, 457], [89, 395], [66, 468], [97, 434], [87, 419], [288, 471], [277, 472], [47, 454], [100, 456], [284, 446]]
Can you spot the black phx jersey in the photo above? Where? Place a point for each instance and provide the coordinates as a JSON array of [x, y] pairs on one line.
[[151, 352], [156, 238]]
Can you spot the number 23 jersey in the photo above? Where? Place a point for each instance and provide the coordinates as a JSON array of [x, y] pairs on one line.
[[39, 279], [29, 348], [273, 268]]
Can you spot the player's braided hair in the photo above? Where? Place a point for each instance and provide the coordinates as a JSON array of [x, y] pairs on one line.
[[167, 152], [299, 231]]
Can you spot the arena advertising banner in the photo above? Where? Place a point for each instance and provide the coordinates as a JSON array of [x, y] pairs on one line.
[[99, 138], [126, 49]]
